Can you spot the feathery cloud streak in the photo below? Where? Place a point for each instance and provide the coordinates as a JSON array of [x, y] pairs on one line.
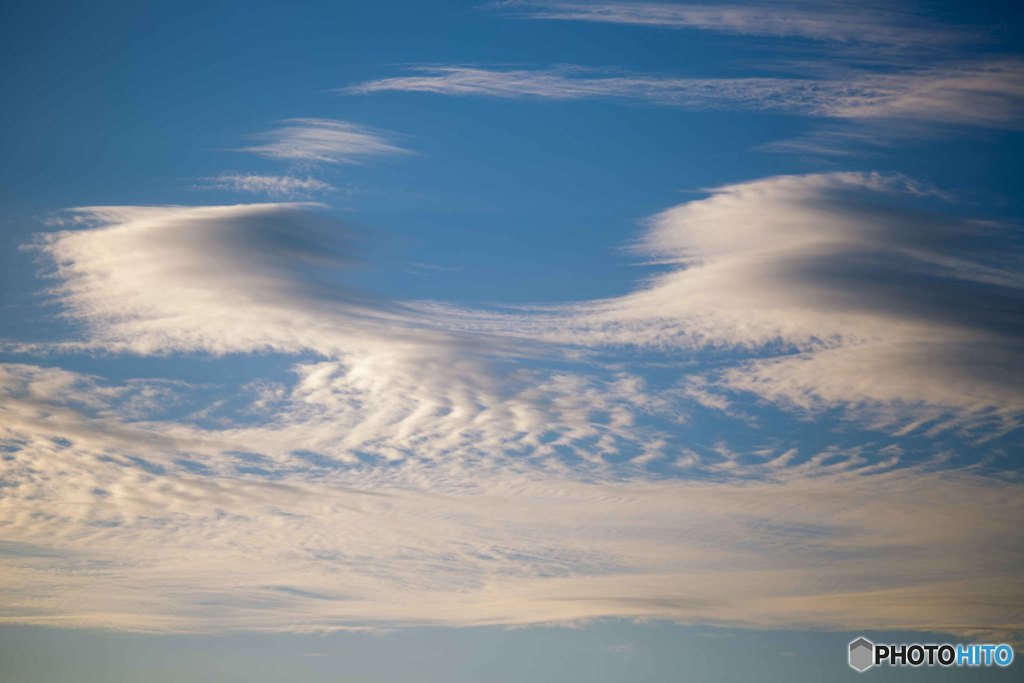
[[475, 488], [824, 21], [989, 94], [324, 141], [272, 185]]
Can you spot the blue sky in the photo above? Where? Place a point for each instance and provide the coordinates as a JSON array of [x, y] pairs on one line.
[[451, 341]]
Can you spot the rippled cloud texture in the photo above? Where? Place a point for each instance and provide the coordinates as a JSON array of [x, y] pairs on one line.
[[418, 464], [499, 314]]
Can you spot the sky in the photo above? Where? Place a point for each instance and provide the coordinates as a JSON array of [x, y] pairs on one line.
[[521, 340]]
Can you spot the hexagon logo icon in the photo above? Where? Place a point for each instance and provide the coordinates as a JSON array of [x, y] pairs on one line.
[[862, 654]]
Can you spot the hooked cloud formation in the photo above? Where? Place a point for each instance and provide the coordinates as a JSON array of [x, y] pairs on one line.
[[271, 278], [849, 295], [272, 185], [823, 270], [548, 346], [823, 262]]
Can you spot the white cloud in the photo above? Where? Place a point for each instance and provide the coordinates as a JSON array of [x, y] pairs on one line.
[[324, 141], [420, 469], [822, 20], [889, 304], [899, 385], [218, 278], [254, 278], [94, 538], [570, 83], [272, 185], [989, 94], [836, 290], [981, 94], [842, 294]]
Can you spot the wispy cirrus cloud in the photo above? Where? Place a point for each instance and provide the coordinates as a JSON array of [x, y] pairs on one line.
[[574, 83], [988, 94], [325, 141], [868, 23], [286, 186]]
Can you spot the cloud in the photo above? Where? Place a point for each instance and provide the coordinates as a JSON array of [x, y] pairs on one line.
[[884, 303], [570, 83], [217, 278], [324, 141], [414, 464], [94, 538], [822, 21], [274, 278], [273, 185], [987, 94], [836, 290]]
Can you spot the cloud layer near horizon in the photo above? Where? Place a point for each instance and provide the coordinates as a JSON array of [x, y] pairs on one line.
[[97, 538]]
